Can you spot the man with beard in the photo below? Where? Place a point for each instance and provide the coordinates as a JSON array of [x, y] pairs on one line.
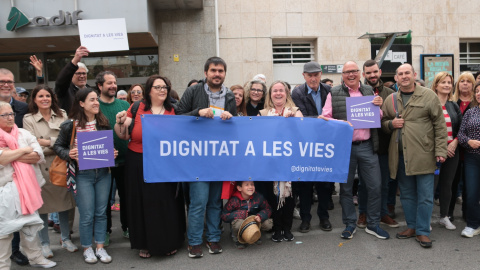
[[71, 78], [106, 82], [372, 74], [208, 98], [363, 154]]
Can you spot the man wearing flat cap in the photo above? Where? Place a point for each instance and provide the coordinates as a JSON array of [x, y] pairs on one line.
[[310, 99]]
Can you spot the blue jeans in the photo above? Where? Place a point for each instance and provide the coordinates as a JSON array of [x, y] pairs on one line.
[[362, 156], [362, 192], [93, 187], [64, 228], [204, 199], [472, 184], [416, 195]]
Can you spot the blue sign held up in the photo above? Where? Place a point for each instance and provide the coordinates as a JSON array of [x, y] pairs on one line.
[[188, 149]]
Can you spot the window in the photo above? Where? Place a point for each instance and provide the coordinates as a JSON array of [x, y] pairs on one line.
[[470, 56], [292, 52]]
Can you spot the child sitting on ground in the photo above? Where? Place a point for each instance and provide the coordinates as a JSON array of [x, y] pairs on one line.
[[246, 202]]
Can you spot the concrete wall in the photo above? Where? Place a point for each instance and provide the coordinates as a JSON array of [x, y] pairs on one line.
[[247, 28], [191, 35]]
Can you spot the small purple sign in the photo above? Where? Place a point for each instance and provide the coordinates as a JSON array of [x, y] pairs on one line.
[[362, 113], [95, 149]]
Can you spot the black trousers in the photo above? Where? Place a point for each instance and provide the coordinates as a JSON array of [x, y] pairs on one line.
[[305, 193]]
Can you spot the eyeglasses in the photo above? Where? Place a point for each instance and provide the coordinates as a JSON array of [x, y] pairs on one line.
[[7, 115], [136, 92], [256, 90], [81, 73], [160, 88], [10, 83], [352, 72]]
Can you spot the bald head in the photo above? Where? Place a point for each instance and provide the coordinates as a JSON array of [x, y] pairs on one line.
[[351, 74], [403, 66]]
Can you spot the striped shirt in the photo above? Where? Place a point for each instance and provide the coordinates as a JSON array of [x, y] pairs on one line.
[[449, 124], [89, 126]]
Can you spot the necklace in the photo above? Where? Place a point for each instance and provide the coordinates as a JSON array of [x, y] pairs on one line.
[[161, 111]]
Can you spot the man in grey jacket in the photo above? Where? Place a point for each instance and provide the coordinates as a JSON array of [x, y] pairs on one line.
[[208, 98]]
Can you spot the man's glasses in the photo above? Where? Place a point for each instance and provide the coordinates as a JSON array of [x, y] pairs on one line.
[[9, 83], [81, 73]]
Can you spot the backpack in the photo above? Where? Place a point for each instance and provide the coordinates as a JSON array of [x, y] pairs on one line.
[[134, 110]]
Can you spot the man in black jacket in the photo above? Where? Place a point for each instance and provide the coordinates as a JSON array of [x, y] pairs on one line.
[[71, 78], [208, 98], [310, 98]]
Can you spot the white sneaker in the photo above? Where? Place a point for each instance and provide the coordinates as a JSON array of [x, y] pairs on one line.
[[470, 232], [296, 213], [68, 245], [103, 255], [445, 221], [89, 256], [47, 252], [44, 263]]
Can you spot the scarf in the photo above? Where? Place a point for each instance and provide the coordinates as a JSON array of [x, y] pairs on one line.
[[281, 189], [24, 175]]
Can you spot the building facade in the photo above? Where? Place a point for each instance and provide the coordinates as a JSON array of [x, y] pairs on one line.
[[273, 37]]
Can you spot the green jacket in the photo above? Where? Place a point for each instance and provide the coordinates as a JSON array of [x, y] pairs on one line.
[[424, 133]]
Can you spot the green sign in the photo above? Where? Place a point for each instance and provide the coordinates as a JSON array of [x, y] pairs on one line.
[[16, 19]]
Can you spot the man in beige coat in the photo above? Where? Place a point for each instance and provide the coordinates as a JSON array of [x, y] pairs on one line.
[[418, 142]]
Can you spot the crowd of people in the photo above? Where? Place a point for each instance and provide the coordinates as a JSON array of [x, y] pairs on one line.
[[428, 139]]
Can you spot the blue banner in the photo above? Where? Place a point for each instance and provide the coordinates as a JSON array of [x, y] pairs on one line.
[[189, 149]]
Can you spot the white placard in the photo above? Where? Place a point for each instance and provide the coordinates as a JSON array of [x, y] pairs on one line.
[[103, 35]]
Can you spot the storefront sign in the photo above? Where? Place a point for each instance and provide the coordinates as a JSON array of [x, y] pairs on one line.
[[95, 149], [189, 149], [104, 35], [397, 55], [362, 113], [18, 19]]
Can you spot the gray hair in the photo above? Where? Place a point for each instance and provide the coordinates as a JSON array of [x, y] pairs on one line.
[[249, 85], [5, 71], [122, 93], [4, 104], [259, 77], [82, 65]]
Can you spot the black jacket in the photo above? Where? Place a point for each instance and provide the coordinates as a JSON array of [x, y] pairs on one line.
[[62, 144], [455, 116], [304, 101], [20, 109], [194, 99], [64, 88]]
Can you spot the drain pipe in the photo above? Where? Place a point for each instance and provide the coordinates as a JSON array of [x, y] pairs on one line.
[[217, 37]]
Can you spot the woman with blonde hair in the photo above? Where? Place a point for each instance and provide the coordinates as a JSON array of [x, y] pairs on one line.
[[278, 102], [463, 95], [442, 86]]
